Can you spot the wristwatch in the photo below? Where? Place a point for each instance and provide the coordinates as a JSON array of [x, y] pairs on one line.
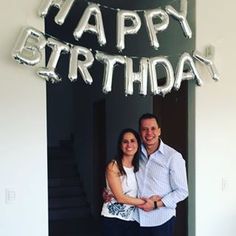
[[155, 205]]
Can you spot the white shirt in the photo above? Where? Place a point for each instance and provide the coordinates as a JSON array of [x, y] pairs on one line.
[[163, 173]]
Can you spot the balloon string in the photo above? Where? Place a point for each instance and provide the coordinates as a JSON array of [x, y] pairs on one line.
[[94, 51], [117, 9]]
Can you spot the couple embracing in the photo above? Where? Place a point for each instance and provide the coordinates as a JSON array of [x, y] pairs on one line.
[[144, 184]]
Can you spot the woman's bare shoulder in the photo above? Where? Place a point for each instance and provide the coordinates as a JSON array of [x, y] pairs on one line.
[[113, 167]]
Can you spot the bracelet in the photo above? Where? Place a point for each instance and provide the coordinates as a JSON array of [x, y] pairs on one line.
[[155, 205]]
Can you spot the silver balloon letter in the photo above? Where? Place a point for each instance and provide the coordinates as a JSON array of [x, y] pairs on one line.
[[48, 72], [181, 75], [153, 29], [166, 88], [209, 63], [28, 45], [122, 30], [181, 17], [84, 26], [109, 61], [63, 5], [82, 65], [140, 77]]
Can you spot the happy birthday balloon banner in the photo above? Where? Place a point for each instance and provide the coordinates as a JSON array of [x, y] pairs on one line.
[[31, 43]]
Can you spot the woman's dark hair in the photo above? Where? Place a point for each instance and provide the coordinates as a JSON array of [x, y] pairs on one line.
[[135, 161]]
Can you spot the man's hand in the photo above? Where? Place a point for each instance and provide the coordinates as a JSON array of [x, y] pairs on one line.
[[149, 205], [106, 195]]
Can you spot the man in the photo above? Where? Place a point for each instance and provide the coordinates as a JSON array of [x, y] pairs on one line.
[[161, 172]]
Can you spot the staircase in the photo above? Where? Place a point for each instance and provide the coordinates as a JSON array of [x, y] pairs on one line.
[[69, 210]]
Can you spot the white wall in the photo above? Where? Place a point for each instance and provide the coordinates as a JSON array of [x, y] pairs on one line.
[[215, 116], [23, 156]]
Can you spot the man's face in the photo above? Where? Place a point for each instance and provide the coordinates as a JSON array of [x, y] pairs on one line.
[[150, 132]]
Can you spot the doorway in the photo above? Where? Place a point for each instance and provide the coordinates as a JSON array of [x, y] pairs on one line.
[[84, 116], [172, 112]]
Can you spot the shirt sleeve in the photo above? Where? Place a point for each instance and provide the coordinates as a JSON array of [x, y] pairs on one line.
[[178, 182]]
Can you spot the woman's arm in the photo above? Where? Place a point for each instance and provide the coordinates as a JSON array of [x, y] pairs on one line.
[[113, 179]]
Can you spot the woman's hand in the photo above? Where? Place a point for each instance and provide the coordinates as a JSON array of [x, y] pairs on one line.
[[155, 198], [148, 205]]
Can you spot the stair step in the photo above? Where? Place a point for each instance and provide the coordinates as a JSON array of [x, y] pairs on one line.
[[60, 153], [67, 200], [61, 168], [62, 162], [64, 182], [65, 191], [75, 227], [68, 143], [79, 201], [69, 213]]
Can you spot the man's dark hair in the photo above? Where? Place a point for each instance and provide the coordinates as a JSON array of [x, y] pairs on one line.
[[147, 116]]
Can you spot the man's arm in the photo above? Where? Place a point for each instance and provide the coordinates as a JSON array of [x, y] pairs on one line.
[[178, 182], [179, 186]]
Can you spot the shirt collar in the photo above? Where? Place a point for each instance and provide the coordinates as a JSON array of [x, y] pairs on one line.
[[160, 149]]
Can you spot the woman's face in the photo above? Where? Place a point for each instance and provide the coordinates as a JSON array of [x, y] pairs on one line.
[[129, 144]]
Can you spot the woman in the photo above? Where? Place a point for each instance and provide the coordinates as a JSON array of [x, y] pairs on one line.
[[121, 184]]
